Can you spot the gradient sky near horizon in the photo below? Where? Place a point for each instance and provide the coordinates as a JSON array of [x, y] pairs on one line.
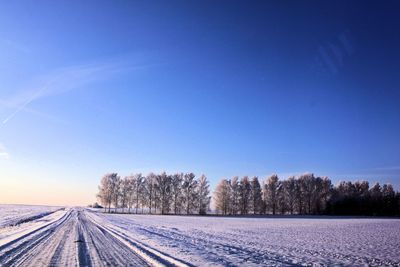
[[222, 88]]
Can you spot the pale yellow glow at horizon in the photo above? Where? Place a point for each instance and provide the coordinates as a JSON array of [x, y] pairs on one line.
[[50, 196], [20, 190]]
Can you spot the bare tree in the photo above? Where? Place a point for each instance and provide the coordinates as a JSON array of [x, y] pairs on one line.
[[376, 191], [327, 190], [361, 188]]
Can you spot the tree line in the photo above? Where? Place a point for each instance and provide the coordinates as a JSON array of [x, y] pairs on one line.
[[182, 193], [305, 194], [162, 193]]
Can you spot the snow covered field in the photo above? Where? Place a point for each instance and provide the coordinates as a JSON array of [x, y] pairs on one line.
[[268, 241], [81, 237], [16, 214]]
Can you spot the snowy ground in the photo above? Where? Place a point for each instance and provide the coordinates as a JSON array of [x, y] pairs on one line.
[[16, 214], [268, 241], [81, 237]]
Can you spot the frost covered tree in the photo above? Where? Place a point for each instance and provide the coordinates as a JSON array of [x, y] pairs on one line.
[[131, 192], [163, 187], [222, 196], [281, 201], [103, 193], [203, 194], [270, 193], [320, 194], [125, 190], [156, 195], [144, 201], [234, 195], [189, 192], [308, 189], [115, 182], [150, 184], [107, 189], [256, 196], [289, 187], [299, 196], [306, 194], [176, 192], [244, 195], [138, 183]]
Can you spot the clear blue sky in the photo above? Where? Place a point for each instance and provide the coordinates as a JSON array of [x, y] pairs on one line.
[[214, 87]]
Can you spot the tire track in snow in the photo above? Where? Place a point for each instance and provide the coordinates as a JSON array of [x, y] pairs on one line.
[[83, 258], [150, 255], [79, 238], [104, 249], [56, 248], [33, 231], [61, 247], [19, 250]]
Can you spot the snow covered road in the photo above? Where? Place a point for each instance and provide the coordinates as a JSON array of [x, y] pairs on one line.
[[74, 237]]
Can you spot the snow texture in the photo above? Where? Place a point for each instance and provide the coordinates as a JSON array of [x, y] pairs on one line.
[[50, 236], [268, 241], [16, 214]]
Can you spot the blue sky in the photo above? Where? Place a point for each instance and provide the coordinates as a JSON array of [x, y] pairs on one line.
[[221, 88]]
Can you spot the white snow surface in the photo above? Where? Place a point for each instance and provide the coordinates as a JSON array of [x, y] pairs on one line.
[[16, 214], [236, 241], [84, 237]]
